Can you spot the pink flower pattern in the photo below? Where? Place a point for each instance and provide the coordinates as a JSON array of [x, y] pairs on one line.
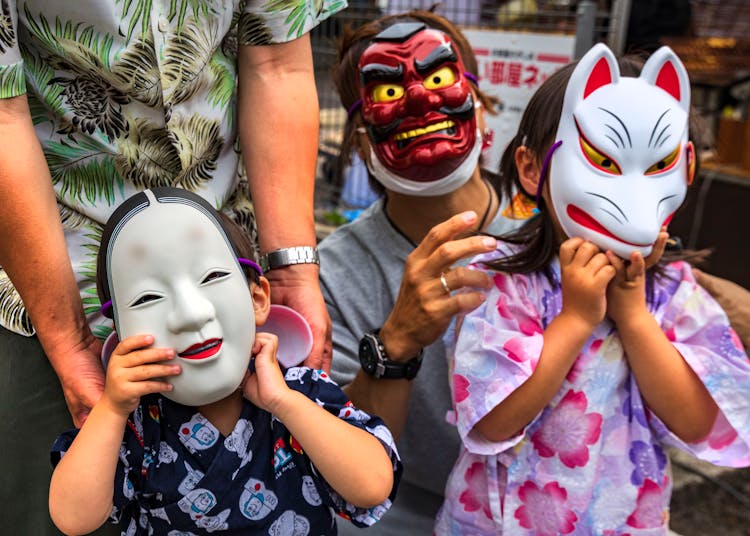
[[570, 468], [649, 511], [476, 483], [544, 509], [568, 431]]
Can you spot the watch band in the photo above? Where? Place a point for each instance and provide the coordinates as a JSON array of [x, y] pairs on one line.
[[385, 368], [288, 256]]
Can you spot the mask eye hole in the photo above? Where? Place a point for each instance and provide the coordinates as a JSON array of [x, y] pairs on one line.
[[387, 92], [443, 77], [144, 299], [214, 275], [598, 159], [665, 164]]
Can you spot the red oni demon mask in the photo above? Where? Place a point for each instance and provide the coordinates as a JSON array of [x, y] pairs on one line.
[[419, 111]]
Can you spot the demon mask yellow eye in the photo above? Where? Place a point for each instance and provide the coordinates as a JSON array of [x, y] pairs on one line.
[[665, 163], [387, 92], [598, 159], [443, 77]]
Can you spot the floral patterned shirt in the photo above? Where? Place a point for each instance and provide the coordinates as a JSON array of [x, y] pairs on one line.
[[131, 94], [593, 461]]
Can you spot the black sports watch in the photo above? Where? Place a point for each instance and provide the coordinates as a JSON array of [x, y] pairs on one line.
[[375, 362]]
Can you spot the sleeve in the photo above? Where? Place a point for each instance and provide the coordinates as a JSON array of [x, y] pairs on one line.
[[700, 330], [12, 80], [319, 387], [264, 22], [496, 349], [126, 475]]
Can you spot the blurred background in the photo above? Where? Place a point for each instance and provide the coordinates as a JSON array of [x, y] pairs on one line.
[[520, 42]]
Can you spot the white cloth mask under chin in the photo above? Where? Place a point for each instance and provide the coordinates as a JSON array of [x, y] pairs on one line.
[[625, 161], [173, 274], [457, 178]]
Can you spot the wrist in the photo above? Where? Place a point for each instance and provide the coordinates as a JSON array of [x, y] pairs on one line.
[[632, 320], [282, 405], [289, 257], [398, 347]]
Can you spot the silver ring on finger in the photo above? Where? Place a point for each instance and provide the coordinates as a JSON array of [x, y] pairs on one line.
[[444, 282]]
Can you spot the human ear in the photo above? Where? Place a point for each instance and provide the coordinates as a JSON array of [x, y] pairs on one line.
[[261, 294], [528, 170]]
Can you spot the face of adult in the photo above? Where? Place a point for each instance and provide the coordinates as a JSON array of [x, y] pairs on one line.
[[173, 274], [418, 107], [625, 160]]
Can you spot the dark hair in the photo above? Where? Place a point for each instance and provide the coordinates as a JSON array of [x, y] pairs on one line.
[[536, 131], [238, 240], [345, 74]]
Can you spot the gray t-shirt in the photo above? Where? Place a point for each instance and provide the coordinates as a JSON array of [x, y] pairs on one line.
[[361, 268]]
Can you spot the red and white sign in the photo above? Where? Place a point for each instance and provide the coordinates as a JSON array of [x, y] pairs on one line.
[[512, 66]]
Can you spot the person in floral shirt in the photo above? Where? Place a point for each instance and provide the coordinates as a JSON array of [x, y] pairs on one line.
[[582, 367], [98, 100]]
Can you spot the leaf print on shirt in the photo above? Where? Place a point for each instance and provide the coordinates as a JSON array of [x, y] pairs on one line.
[[138, 72], [568, 430], [89, 89], [544, 510], [185, 58], [198, 143], [147, 158], [252, 30], [13, 312], [7, 31]]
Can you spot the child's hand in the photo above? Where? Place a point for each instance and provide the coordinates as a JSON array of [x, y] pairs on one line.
[[136, 370], [626, 294], [658, 249], [586, 272], [266, 386]]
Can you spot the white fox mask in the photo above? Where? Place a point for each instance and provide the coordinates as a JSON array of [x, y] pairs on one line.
[[625, 160]]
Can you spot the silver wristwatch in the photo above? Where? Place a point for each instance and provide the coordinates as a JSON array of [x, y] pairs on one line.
[[288, 256]]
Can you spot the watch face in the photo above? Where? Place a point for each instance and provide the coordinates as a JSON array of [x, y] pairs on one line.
[[367, 357]]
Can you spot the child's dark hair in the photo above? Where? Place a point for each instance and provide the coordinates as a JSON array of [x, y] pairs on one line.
[[345, 74], [238, 240], [536, 132]]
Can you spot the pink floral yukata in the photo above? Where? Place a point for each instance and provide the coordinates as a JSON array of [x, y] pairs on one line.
[[593, 461]]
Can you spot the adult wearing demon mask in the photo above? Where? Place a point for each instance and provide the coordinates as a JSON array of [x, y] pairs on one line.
[[416, 118]]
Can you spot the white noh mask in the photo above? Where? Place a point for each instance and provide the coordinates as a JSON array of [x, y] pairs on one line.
[[625, 161], [173, 273]]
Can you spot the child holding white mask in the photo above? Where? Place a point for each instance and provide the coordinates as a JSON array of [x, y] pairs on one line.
[[173, 446], [582, 367]]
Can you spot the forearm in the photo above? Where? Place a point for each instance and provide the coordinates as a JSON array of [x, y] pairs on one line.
[[563, 340], [388, 399], [32, 248], [363, 475], [278, 113], [667, 384], [82, 485]]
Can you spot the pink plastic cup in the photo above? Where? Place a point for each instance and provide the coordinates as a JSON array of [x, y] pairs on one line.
[[293, 331]]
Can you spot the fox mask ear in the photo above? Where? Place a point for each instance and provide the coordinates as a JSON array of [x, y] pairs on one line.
[[665, 71]]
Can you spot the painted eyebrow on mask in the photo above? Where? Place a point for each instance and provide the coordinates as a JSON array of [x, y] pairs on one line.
[[381, 73], [442, 54]]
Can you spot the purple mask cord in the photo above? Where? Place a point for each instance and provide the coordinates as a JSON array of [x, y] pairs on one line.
[[543, 172]]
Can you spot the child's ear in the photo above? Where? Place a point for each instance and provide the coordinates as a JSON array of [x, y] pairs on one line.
[[528, 170], [261, 294]]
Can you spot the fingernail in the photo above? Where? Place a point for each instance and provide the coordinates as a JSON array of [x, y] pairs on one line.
[[489, 242], [469, 216]]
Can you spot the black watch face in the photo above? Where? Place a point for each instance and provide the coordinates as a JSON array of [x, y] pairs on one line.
[[367, 357]]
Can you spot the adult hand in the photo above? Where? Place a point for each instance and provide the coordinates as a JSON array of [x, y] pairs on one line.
[[297, 286], [734, 299], [81, 374], [426, 302]]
